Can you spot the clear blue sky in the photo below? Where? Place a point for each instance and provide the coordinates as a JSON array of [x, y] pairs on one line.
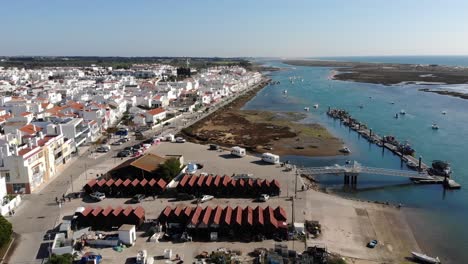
[[280, 28]]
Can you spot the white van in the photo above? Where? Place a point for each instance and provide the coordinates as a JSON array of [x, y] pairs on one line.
[[238, 151], [270, 158]]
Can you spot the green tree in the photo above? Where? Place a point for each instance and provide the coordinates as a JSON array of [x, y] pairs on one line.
[[60, 259], [169, 169], [6, 229]]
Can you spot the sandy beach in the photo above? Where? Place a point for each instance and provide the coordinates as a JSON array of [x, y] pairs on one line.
[[347, 225]]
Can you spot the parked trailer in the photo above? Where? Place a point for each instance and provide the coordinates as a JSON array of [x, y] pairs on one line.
[[238, 151], [270, 158]]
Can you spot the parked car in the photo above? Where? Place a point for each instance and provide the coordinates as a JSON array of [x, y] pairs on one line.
[[137, 153], [263, 197], [117, 143], [206, 198], [98, 196], [214, 147], [146, 146], [180, 140], [124, 153], [102, 150], [185, 197], [372, 244], [124, 139], [137, 198]]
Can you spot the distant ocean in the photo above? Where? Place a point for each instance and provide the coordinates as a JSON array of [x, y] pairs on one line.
[[441, 60]]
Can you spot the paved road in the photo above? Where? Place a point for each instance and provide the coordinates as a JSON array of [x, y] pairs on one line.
[[39, 212]]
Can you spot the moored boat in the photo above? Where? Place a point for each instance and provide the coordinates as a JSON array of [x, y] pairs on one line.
[[345, 150], [306, 108], [316, 106], [425, 258], [402, 112], [435, 126]]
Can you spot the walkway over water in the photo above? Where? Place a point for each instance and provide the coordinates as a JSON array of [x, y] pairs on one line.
[[356, 168]]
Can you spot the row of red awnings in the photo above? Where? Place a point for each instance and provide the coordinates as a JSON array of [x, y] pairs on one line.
[[224, 181], [94, 212], [126, 183], [227, 216]]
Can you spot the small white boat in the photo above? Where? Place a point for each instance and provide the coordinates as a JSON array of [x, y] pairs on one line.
[[402, 112], [392, 102], [306, 108], [435, 126], [345, 150], [316, 106], [285, 91], [444, 112], [425, 258]]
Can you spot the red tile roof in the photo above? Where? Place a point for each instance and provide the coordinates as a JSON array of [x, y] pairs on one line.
[[167, 211], [139, 212], [218, 211], [162, 184], [187, 211], [107, 211], [30, 129], [248, 215], [178, 210], [127, 182], [117, 211], [101, 182], [152, 182], [110, 182], [128, 211], [207, 215], [96, 211], [227, 215], [184, 180], [258, 213], [192, 181], [196, 216], [238, 215], [156, 111], [226, 180], [86, 211], [208, 180], [217, 180], [118, 182], [200, 181], [135, 182], [144, 182]]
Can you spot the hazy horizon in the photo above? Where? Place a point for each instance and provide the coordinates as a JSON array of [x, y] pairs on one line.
[[294, 29]]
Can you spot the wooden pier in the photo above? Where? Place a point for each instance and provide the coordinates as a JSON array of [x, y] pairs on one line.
[[372, 137]]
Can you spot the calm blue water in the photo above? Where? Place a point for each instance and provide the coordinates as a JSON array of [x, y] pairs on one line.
[[437, 216], [441, 60]]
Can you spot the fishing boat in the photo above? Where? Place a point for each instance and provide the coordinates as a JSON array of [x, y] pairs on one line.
[[285, 91], [444, 112], [425, 258], [435, 126], [316, 106], [402, 112], [345, 150], [306, 108]]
